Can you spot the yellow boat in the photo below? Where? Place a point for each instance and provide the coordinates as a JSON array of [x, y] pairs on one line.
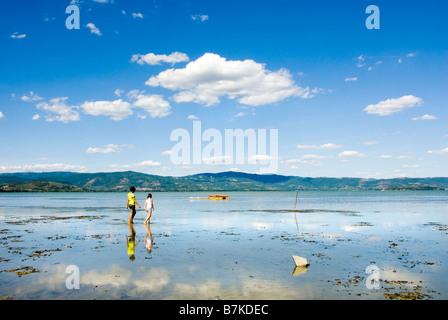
[[218, 197]]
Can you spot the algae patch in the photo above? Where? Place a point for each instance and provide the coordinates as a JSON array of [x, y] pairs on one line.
[[23, 271]]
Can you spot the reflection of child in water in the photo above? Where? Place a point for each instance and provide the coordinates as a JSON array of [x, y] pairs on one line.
[[130, 241], [149, 239]]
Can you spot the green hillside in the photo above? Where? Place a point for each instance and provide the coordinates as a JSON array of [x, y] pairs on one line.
[[223, 181], [39, 186]]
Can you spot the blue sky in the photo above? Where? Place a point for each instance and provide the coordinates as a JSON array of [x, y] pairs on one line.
[[347, 101]]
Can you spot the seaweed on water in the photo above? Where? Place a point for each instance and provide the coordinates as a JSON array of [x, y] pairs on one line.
[[22, 271]]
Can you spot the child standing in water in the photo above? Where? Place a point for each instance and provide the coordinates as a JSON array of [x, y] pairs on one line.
[[131, 204], [149, 207]]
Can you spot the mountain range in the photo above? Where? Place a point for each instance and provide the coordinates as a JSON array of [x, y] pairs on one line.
[[219, 182]]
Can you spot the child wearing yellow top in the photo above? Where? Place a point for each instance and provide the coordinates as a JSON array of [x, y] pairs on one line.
[[131, 204]]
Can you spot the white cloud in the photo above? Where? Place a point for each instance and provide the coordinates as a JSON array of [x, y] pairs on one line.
[[117, 110], [118, 92], [443, 151], [36, 117], [322, 146], [411, 54], [370, 143], [351, 154], [137, 15], [400, 60], [31, 97], [260, 158], [155, 59], [110, 148], [405, 156], [43, 167], [307, 159], [93, 29], [148, 163], [16, 35], [410, 166], [192, 117], [390, 106], [153, 104], [361, 62], [352, 79], [384, 156], [319, 90], [167, 152], [58, 110], [199, 17], [2, 116], [216, 160], [425, 117], [211, 77]]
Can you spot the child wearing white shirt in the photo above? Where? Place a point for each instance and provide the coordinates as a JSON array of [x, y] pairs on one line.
[[149, 207]]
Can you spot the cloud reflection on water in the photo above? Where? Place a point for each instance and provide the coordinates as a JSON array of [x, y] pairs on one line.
[[155, 283]]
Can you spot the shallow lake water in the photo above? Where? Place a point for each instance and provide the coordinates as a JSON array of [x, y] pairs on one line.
[[359, 245]]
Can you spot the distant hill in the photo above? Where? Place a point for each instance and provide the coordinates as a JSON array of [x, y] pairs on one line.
[[223, 181], [39, 186]]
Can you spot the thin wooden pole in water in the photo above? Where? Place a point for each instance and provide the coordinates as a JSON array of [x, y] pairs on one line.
[[295, 214], [295, 203]]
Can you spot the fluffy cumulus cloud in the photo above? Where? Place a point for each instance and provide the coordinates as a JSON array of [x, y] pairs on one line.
[[212, 77], [117, 110], [2, 116], [153, 104], [156, 59], [31, 97], [58, 110], [394, 105], [148, 163], [351, 154]]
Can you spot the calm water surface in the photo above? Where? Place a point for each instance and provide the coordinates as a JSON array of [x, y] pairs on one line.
[[240, 248]]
